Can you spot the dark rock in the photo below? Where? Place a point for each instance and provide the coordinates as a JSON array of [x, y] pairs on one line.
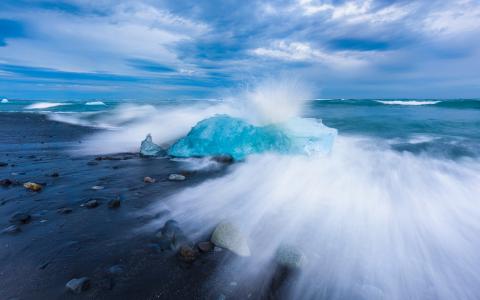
[[165, 243], [20, 218], [187, 254], [78, 285], [12, 229], [107, 158], [64, 210], [55, 174], [116, 269], [3, 164], [224, 159], [148, 179], [92, 203], [205, 246], [6, 182], [114, 203]]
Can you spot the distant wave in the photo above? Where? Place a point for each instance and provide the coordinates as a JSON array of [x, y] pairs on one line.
[[43, 105], [4, 100], [95, 103], [408, 102]]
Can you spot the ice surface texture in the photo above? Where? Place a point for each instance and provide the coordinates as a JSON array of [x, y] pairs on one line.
[[225, 135], [149, 148]]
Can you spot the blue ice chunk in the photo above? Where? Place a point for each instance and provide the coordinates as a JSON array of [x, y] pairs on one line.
[[225, 135], [149, 148]]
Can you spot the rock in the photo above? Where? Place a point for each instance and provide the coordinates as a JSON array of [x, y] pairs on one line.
[[187, 253], [224, 159], [64, 210], [6, 182], [149, 148], [290, 256], [170, 229], [20, 218], [92, 203], [116, 269], [228, 236], [176, 177], [55, 174], [12, 229], [114, 203], [165, 243], [78, 285], [205, 246], [97, 187], [148, 179], [3, 164], [32, 186]]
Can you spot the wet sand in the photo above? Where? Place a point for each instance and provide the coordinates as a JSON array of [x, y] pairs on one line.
[[53, 248]]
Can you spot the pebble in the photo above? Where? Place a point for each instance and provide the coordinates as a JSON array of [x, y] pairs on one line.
[[91, 203], [78, 285], [205, 246], [12, 229], [32, 186], [176, 177], [187, 253], [55, 174], [148, 179], [64, 210], [114, 203], [20, 218], [97, 187]]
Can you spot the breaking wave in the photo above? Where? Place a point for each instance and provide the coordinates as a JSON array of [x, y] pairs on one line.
[[407, 102], [44, 105]]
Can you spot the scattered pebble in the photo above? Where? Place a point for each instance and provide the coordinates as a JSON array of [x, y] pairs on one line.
[[91, 203], [20, 218], [205, 246], [5, 182], [64, 210], [187, 253], [176, 177], [114, 203], [148, 179], [97, 187], [12, 229], [32, 186], [78, 285]]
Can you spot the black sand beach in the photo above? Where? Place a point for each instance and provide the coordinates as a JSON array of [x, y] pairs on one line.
[[57, 238]]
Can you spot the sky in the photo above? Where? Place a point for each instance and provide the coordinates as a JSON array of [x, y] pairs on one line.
[[112, 49]]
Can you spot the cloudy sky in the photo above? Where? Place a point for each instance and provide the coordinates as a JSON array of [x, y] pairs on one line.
[[110, 49]]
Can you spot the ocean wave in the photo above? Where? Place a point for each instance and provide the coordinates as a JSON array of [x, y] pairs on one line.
[[44, 105], [407, 102], [95, 103]]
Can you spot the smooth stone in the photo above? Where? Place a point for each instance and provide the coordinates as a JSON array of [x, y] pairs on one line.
[[114, 203], [116, 269], [187, 253], [32, 186], [176, 177], [20, 218], [78, 285], [12, 229], [205, 246], [227, 235], [91, 203], [64, 210], [6, 182], [148, 179], [290, 256]]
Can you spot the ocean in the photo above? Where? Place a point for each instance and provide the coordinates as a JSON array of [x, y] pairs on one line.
[[392, 212]]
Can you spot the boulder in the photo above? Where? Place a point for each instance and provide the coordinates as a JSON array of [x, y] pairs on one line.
[[228, 236]]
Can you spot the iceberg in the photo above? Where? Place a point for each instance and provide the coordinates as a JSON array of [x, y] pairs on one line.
[[225, 135], [149, 148]]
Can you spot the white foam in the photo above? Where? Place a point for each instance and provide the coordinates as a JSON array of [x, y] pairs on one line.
[[95, 103], [373, 223], [407, 102], [44, 105], [4, 100]]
